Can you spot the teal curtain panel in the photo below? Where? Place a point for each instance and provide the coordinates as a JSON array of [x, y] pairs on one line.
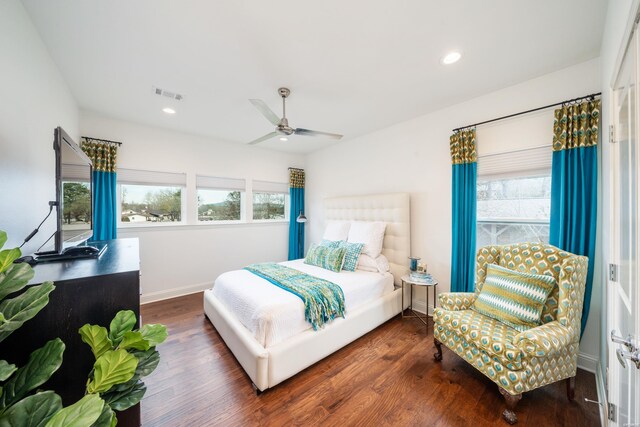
[[574, 185], [296, 203], [463, 203], [103, 155]]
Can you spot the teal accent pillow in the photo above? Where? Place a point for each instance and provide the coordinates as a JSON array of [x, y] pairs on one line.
[[331, 243], [351, 255], [326, 257], [513, 297]]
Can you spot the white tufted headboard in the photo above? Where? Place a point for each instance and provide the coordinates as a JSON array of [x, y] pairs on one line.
[[394, 209]]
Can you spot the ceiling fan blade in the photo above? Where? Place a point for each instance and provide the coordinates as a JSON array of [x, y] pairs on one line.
[[263, 138], [266, 111], [307, 132]]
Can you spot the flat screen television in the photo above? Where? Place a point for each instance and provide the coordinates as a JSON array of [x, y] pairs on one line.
[[73, 193]]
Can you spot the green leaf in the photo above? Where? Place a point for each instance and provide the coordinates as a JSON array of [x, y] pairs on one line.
[[7, 257], [97, 338], [123, 386], [147, 361], [18, 310], [126, 398], [6, 369], [124, 321], [113, 367], [3, 238], [32, 411], [106, 419], [83, 413], [134, 340], [155, 334], [15, 278], [41, 365]]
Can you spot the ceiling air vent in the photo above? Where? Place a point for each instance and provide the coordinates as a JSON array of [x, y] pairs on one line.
[[172, 95]]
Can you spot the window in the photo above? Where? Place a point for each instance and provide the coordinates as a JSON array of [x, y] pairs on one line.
[[151, 198], [514, 197], [220, 199], [270, 201]]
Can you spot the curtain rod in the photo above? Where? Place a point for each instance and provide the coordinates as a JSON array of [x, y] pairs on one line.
[[592, 97], [103, 140]]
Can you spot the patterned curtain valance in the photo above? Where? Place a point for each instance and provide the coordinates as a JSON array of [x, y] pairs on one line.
[[576, 125], [463, 147], [296, 178], [103, 154]]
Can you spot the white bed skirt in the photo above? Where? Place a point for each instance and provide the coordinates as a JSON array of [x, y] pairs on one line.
[[270, 366]]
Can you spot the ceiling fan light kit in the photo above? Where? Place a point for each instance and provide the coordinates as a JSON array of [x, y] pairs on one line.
[[282, 124]]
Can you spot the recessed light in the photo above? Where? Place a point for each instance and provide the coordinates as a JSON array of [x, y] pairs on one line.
[[451, 57], [169, 110], [284, 139]]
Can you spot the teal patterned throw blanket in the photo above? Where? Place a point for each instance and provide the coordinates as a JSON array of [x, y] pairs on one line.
[[323, 300]]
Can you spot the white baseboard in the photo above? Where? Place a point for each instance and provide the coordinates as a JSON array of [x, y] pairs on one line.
[[146, 298], [419, 306], [587, 362]]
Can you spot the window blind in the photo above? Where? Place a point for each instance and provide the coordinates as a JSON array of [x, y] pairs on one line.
[[217, 183], [525, 162], [270, 187], [72, 172], [134, 176]]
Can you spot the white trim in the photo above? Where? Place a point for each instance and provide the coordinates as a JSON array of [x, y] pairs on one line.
[[627, 35], [587, 362], [201, 225], [602, 396], [174, 292]]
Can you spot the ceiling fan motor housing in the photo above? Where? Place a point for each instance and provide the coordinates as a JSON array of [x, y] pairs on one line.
[[284, 92]]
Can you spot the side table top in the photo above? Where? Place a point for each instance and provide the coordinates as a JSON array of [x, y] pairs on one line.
[[407, 279]]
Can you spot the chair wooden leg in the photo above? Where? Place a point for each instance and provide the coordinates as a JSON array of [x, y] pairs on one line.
[[438, 355], [571, 388], [512, 400]]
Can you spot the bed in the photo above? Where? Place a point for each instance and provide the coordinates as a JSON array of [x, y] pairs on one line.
[[264, 326]]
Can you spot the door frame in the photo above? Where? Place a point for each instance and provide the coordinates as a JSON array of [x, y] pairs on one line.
[[603, 378]]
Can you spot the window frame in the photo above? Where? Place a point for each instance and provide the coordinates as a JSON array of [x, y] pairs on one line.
[[151, 179], [243, 211], [542, 169], [287, 206]]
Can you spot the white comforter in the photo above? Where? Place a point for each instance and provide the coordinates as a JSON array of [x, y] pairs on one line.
[[273, 314]]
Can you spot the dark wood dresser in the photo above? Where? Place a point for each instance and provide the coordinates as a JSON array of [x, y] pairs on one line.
[[87, 291]]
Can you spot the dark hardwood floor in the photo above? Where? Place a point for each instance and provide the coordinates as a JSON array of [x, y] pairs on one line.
[[388, 377]]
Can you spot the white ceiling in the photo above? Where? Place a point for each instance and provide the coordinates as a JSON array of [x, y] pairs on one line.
[[352, 66]]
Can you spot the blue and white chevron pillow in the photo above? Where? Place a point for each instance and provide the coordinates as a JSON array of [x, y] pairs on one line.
[[513, 297]]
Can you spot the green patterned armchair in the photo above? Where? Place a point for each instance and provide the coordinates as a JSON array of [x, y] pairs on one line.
[[518, 361]]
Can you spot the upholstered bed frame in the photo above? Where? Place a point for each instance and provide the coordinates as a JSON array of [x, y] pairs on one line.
[[270, 366]]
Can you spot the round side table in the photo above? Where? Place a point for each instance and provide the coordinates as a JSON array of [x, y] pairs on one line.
[[434, 285]]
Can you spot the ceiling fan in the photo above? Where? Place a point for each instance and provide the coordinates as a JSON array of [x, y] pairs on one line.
[[282, 125]]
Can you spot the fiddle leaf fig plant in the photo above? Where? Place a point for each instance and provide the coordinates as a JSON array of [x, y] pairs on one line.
[[21, 403], [123, 357]]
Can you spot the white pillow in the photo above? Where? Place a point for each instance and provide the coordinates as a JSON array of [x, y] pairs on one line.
[[336, 230], [369, 233], [378, 265]]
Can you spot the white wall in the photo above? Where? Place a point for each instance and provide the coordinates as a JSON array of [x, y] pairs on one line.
[[414, 157], [35, 100], [614, 37], [186, 258]]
